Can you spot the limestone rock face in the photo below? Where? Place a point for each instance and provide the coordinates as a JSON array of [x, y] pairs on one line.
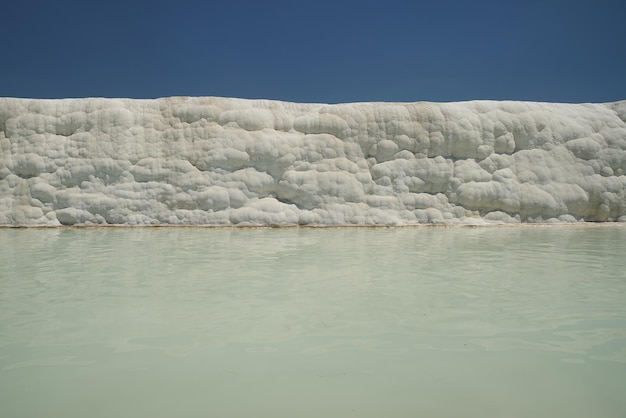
[[220, 161]]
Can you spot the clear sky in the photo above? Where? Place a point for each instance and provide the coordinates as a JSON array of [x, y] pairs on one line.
[[316, 51]]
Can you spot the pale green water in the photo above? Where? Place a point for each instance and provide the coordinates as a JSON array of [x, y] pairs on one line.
[[459, 322]]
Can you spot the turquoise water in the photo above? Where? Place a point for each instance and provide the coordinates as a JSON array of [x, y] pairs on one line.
[[432, 322]]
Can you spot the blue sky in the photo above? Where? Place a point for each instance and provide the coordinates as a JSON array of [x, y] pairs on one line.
[[316, 51]]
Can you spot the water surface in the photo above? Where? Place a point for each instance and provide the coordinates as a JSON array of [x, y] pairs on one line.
[[432, 322]]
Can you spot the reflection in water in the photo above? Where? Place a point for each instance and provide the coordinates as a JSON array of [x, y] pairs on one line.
[[515, 321]]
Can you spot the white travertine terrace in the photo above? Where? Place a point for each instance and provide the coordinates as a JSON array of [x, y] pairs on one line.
[[220, 161]]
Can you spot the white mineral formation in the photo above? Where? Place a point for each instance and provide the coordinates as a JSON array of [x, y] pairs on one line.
[[218, 161]]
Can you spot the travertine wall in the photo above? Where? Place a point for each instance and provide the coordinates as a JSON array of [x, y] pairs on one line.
[[218, 161]]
